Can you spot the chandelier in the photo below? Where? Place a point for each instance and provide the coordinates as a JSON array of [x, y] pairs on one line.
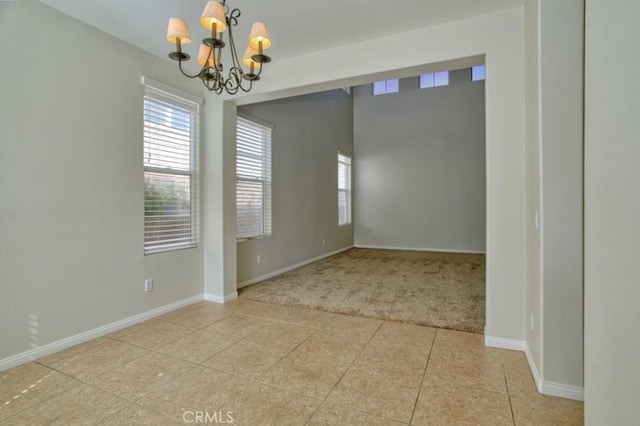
[[217, 18]]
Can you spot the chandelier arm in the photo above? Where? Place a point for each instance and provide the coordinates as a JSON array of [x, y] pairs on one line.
[[233, 17], [248, 89], [259, 72], [234, 80], [217, 83], [188, 75], [208, 78], [232, 44]]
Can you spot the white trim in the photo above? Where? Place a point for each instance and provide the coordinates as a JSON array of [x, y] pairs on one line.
[[158, 85], [255, 120], [221, 299], [534, 370], [438, 250], [499, 342], [563, 391], [290, 268], [49, 348], [544, 387]]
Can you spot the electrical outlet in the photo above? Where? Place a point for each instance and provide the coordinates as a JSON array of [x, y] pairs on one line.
[[148, 285], [531, 321], [258, 259], [324, 242]]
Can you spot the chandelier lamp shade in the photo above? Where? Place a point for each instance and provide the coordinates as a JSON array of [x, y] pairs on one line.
[[216, 19]]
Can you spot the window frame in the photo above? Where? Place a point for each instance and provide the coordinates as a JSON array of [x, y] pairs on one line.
[[348, 190], [162, 93], [266, 225]]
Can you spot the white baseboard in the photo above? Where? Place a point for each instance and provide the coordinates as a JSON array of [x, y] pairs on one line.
[[48, 349], [562, 391], [221, 299], [544, 387], [290, 268], [438, 250], [498, 342], [537, 378], [548, 388]]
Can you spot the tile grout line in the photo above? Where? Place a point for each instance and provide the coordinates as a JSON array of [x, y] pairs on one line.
[[506, 384], [52, 396], [83, 381], [250, 378], [257, 379], [424, 375], [345, 372]]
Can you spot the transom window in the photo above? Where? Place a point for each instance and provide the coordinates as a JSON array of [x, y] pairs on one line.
[[434, 79], [477, 73], [386, 86]]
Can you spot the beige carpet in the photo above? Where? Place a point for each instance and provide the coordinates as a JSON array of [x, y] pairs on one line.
[[445, 290]]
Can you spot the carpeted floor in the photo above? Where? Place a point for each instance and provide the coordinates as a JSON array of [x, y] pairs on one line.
[[445, 290]]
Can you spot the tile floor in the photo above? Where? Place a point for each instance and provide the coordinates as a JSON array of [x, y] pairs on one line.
[[251, 363]]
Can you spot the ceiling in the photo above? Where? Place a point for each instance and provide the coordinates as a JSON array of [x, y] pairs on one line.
[[296, 26]]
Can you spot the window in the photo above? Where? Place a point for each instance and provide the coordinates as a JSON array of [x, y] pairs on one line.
[[434, 79], [253, 178], [170, 161], [344, 189], [386, 86], [477, 73]]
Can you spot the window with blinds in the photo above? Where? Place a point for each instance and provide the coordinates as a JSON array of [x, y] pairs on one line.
[[253, 178], [171, 213], [344, 189]]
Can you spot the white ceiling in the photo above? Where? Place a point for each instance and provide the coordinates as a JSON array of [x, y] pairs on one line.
[[296, 26]]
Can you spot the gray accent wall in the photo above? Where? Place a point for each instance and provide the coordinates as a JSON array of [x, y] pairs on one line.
[[308, 132], [420, 166]]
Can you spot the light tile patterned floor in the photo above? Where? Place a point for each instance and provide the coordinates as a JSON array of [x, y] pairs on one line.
[[251, 363]]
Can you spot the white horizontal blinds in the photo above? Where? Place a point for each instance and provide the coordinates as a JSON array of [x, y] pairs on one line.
[[253, 179], [171, 127], [344, 189]]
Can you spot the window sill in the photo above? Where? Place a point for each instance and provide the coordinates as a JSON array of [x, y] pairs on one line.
[[258, 237], [165, 249]]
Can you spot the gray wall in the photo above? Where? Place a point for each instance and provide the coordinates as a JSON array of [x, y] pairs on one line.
[[71, 182], [309, 130], [562, 138], [554, 179], [612, 206], [534, 248], [420, 166]]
